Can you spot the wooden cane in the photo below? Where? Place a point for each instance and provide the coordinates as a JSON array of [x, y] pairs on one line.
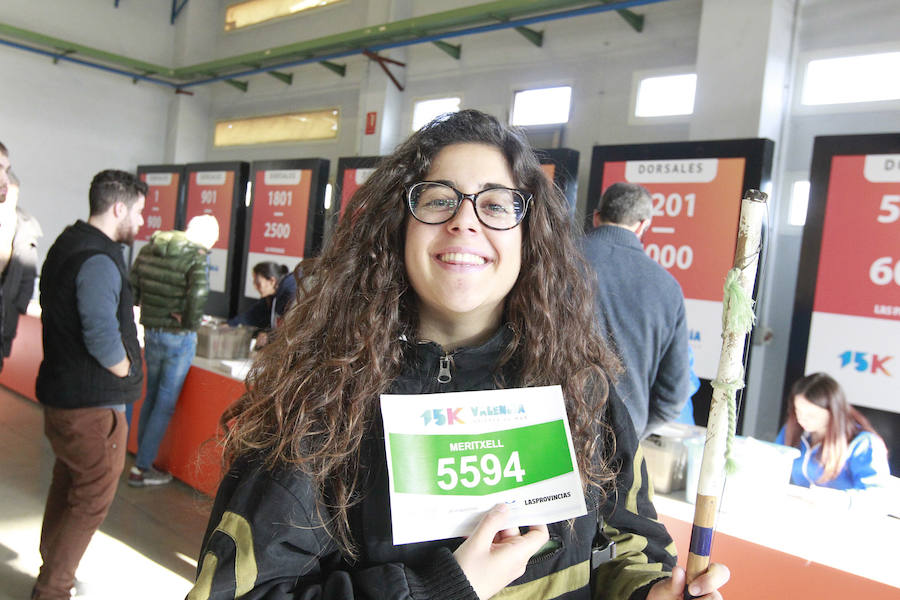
[[737, 321]]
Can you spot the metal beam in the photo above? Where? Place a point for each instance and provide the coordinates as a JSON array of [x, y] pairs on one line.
[[382, 62], [407, 30], [177, 7], [632, 18], [533, 36], [334, 67], [87, 51], [287, 78], [454, 50], [68, 58], [241, 85], [426, 29], [579, 12]]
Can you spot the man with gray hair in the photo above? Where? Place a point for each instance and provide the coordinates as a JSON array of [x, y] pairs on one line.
[[640, 308], [170, 281]]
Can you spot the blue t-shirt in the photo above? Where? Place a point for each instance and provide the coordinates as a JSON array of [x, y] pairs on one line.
[[866, 465]]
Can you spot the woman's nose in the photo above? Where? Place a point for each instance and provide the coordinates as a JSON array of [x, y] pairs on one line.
[[465, 218]]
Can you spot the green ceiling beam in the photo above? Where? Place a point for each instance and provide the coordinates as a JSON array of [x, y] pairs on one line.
[[454, 50], [241, 85], [533, 36], [406, 29], [334, 67], [287, 78], [632, 18], [66, 47]]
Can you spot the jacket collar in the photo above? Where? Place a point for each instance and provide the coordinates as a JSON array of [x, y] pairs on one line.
[[466, 358], [618, 235]]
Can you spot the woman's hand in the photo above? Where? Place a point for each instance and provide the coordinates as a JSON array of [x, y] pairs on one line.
[[704, 587], [493, 556]]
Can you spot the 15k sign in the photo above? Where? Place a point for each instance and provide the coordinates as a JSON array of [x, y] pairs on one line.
[[696, 209], [855, 326], [458, 454]]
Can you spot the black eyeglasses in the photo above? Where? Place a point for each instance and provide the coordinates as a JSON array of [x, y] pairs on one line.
[[499, 208]]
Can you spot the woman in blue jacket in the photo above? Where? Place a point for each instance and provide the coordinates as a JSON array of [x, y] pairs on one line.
[[277, 290], [838, 447]]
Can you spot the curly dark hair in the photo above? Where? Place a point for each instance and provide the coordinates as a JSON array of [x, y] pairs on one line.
[[314, 390]]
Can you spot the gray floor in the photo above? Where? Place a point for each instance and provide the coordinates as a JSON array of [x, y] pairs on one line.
[[146, 548]]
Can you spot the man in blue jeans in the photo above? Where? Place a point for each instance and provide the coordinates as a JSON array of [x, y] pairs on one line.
[[170, 281]]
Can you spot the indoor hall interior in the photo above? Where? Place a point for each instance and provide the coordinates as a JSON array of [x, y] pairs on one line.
[[84, 87], [146, 548]]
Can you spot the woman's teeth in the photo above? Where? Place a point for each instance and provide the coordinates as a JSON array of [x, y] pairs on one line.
[[460, 258]]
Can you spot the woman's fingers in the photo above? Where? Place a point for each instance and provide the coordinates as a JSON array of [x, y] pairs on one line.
[[491, 523], [706, 585], [495, 555]]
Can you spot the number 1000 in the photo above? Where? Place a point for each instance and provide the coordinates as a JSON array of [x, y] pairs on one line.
[[669, 256]]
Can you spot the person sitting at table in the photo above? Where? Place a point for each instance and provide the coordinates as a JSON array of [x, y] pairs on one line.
[[839, 449], [277, 289], [453, 269]]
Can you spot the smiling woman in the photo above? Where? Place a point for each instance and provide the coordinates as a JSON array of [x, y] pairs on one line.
[[454, 269]]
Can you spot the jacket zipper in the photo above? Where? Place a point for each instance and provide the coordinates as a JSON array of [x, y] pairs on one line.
[[552, 548], [444, 369]]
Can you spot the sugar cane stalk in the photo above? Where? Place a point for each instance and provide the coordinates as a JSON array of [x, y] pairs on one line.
[[737, 321]]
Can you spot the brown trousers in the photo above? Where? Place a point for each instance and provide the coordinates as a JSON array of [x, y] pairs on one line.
[[89, 444]]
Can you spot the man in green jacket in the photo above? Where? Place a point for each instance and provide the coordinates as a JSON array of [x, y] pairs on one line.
[[170, 281]]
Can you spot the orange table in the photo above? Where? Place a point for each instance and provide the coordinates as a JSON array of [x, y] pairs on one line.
[[806, 554]]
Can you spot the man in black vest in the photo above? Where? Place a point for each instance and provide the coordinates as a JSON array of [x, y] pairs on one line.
[[91, 370]]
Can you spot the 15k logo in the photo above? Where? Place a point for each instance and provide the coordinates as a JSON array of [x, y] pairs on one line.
[[864, 362]]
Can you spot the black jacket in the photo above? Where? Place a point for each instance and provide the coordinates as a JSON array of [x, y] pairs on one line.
[[263, 313], [265, 539], [69, 376]]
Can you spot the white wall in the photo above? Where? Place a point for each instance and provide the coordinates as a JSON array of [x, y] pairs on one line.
[[63, 123]]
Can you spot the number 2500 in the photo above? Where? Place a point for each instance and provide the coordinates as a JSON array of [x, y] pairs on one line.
[[470, 475]]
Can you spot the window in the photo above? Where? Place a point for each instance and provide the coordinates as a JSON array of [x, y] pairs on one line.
[[545, 106], [666, 96], [863, 78], [799, 203], [426, 110], [251, 12], [294, 127]]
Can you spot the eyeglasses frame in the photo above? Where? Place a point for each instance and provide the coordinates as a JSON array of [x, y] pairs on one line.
[[473, 197]]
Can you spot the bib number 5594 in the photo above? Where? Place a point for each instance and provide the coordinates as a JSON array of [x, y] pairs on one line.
[[473, 471]]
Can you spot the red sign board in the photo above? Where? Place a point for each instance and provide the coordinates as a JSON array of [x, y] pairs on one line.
[[861, 239], [161, 204], [352, 180], [280, 208], [211, 193], [696, 207], [371, 121]]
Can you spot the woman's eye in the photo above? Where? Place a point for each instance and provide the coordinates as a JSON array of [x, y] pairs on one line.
[[438, 202], [495, 208]]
